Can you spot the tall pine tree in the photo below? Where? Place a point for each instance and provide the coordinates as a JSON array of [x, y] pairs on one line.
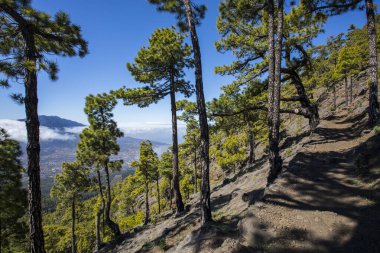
[[146, 169], [161, 65], [97, 144], [27, 37]]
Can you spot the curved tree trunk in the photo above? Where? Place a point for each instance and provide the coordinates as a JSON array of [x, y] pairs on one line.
[[73, 241], [205, 139], [373, 110], [310, 108], [33, 147], [110, 223], [177, 193]]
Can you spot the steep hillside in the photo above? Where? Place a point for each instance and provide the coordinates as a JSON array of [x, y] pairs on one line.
[[326, 200]]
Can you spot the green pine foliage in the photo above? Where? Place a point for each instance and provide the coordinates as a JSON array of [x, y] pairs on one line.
[[13, 202], [164, 60], [237, 118]]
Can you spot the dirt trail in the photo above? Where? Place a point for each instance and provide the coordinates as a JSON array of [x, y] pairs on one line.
[[319, 204], [322, 202]]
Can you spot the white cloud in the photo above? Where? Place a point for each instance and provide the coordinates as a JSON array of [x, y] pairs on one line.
[[17, 130], [156, 131], [74, 130]]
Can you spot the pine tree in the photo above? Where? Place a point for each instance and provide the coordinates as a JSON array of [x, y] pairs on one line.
[[27, 37], [336, 7], [13, 198], [146, 168], [373, 108], [189, 15], [165, 168], [232, 119], [97, 144], [244, 26], [161, 65], [192, 137], [69, 185]]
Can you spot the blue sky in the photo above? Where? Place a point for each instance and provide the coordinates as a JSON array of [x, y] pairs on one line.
[[115, 31]]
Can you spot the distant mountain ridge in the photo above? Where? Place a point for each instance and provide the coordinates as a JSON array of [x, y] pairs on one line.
[[56, 151], [56, 122]]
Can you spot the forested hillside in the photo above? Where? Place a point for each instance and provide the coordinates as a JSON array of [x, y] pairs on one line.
[[285, 159]]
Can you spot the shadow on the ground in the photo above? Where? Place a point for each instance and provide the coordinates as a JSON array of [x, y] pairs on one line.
[[314, 177]]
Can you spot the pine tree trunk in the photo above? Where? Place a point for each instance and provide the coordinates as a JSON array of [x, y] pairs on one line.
[[177, 193], [97, 225], [33, 147], [274, 151], [311, 108], [201, 104], [373, 110], [271, 64], [147, 211], [73, 241], [251, 158], [110, 223], [345, 91], [99, 212], [350, 90], [171, 194], [195, 169], [158, 195]]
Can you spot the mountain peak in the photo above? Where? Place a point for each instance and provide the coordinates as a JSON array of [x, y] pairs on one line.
[[56, 122]]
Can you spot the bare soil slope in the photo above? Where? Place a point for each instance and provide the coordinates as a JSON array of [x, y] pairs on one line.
[[326, 200]]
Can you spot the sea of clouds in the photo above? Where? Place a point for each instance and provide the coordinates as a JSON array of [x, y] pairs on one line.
[[154, 131], [17, 130]]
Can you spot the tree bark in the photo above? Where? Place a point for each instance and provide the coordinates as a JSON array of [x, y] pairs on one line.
[[195, 169], [110, 223], [99, 212], [271, 64], [311, 109], [274, 137], [147, 211], [373, 110], [201, 104], [37, 244], [251, 158], [73, 241], [177, 193], [350, 90], [171, 193], [158, 195]]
